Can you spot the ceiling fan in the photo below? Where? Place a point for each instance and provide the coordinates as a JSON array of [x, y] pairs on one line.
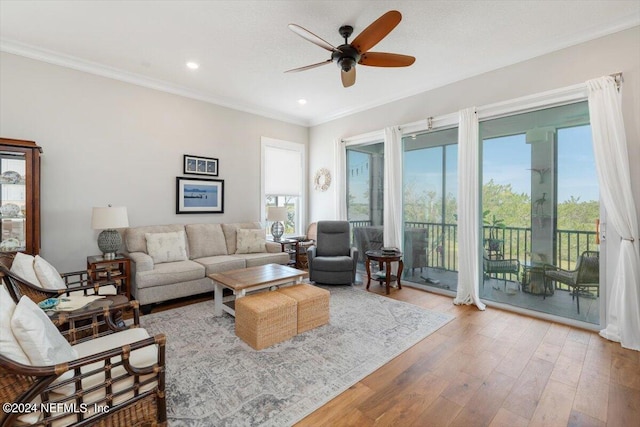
[[348, 54]]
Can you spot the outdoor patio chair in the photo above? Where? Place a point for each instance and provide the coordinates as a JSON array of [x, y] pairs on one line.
[[117, 379], [332, 260], [500, 266], [585, 276]]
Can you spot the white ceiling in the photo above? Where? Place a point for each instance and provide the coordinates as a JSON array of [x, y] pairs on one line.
[[244, 47]]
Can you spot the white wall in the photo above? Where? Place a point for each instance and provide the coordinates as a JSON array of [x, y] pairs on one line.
[[109, 142], [619, 52]]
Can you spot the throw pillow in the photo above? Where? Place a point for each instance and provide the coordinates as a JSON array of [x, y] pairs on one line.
[[22, 267], [41, 341], [205, 240], [167, 247], [47, 274], [9, 346], [251, 241]]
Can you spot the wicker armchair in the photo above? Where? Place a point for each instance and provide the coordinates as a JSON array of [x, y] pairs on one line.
[[109, 385], [78, 282]]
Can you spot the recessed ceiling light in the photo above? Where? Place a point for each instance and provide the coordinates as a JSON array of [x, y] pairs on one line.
[[193, 65], [302, 101]]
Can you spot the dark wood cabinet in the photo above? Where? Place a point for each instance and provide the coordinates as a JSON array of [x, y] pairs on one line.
[[19, 196]]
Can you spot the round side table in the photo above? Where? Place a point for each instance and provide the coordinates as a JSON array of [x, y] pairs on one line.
[[384, 260]]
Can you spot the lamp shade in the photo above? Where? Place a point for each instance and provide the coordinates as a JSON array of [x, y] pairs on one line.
[[276, 213], [109, 217]]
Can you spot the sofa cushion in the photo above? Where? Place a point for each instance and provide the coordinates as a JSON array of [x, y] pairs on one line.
[[220, 263], [134, 237], [250, 241], [170, 273], [9, 346], [231, 235], [39, 338], [167, 247], [253, 260], [205, 240], [47, 274], [22, 266]]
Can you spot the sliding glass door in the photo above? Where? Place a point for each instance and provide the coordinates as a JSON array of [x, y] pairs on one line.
[[540, 206], [365, 195], [430, 187]]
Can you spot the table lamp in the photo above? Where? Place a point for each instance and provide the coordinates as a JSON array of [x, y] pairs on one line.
[[277, 214], [108, 219]]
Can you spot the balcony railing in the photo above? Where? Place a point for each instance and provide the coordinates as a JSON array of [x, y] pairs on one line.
[[442, 247]]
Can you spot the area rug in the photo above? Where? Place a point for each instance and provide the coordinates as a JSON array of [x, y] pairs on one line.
[[215, 379]]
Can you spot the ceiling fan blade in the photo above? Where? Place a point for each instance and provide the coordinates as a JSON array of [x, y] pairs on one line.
[[376, 31], [348, 77], [381, 59], [308, 35], [308, 67]]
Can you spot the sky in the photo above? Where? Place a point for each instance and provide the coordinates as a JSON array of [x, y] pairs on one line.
[[507, 160]]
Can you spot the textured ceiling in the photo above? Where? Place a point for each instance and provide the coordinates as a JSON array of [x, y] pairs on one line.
[[243, 47]]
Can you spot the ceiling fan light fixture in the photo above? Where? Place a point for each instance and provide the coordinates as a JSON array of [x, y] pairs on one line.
[[346, 64]]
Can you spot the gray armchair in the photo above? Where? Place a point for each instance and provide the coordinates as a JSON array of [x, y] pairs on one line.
[[332, 260]]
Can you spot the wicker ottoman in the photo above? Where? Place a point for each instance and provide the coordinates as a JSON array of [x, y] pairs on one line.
[[265, 318], [313, 305]]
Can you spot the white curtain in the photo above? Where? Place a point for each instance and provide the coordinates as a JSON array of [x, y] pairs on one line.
[[612, 165], [392, 226], [339, 178], [468, 210]]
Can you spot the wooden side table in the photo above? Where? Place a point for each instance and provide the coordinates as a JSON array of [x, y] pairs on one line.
[[119, 267], [290, 246], [384, 261]]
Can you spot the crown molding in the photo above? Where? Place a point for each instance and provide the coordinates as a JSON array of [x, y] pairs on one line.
[[68, 61]]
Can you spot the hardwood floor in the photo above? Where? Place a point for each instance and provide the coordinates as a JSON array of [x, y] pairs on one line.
[[492, 368]]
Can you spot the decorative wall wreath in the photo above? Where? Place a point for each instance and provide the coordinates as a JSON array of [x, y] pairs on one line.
[[322, 179]]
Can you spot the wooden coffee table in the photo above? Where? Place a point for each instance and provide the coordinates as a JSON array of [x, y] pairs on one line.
[[245, 280]]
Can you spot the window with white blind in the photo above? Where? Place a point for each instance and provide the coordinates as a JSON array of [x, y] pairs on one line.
[[283, 171]]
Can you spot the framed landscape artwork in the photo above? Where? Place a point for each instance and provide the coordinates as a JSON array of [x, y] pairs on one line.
[[199, 195], [196, 165]]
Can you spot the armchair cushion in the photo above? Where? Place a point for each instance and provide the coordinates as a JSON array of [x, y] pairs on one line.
[[9, 345], [333, 263], [38, 336], [167, 247], [333, 238], [22, 266], [140, 358], [47, 274]]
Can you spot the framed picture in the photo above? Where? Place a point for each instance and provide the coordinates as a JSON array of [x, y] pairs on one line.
[[199, 195], [196, 165]]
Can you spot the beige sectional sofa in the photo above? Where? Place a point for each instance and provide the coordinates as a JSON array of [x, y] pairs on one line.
[[173, 261]]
